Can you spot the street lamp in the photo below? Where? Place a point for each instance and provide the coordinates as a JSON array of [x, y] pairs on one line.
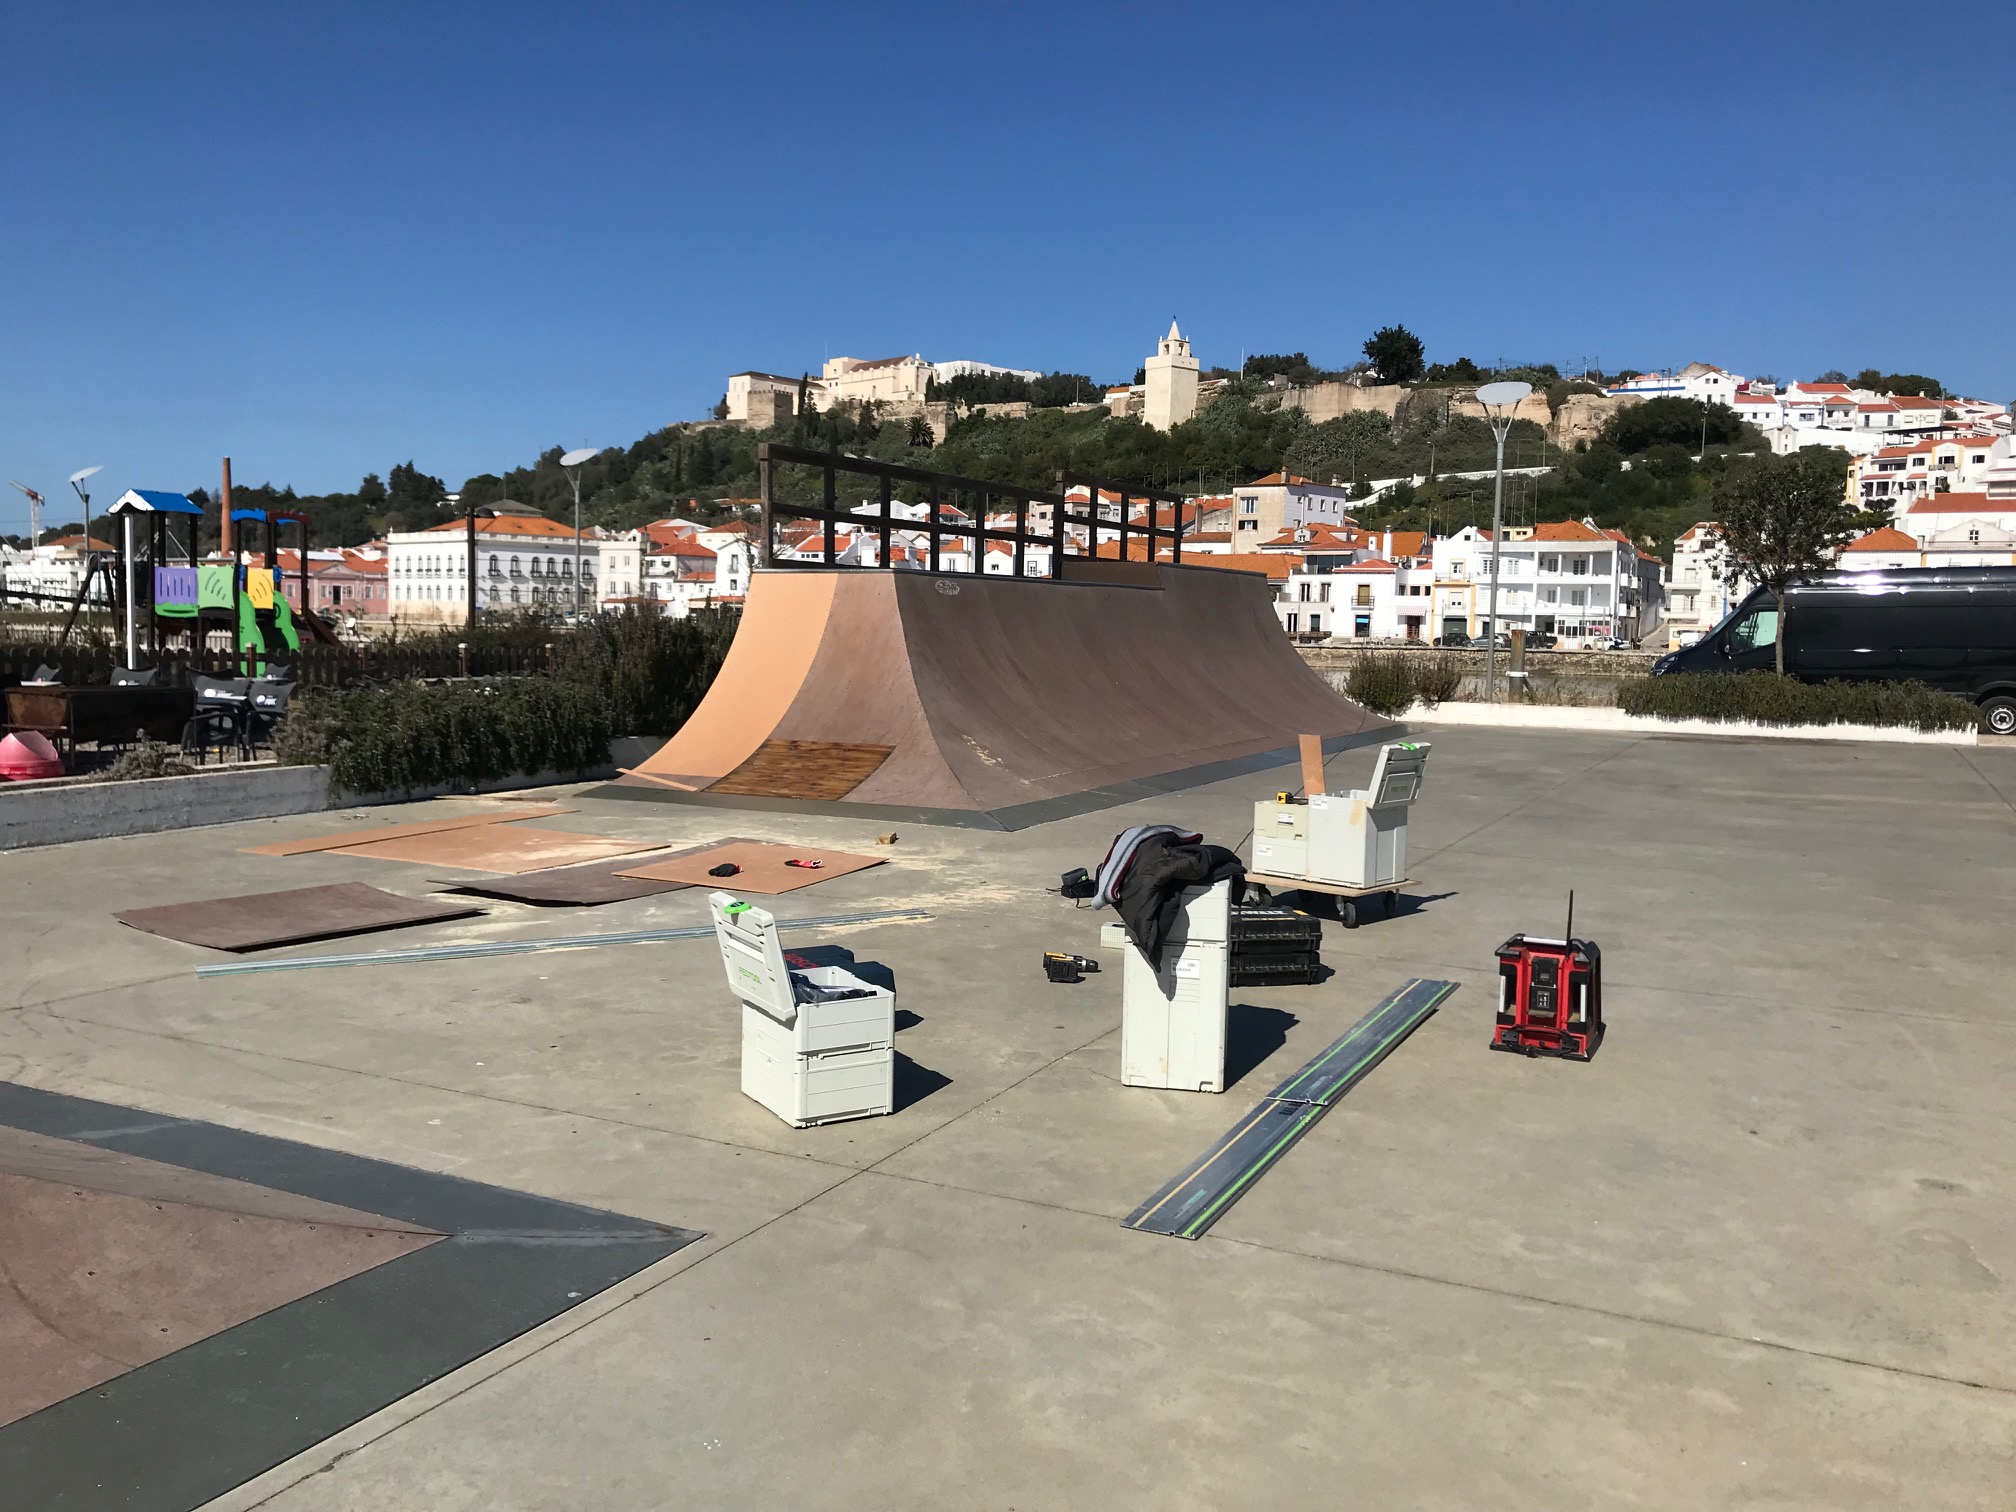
[[573, 462], [1499, 400], [476, 512]]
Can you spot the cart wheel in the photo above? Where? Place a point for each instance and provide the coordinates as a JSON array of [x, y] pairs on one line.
[[1392, 902], [1347, 913]]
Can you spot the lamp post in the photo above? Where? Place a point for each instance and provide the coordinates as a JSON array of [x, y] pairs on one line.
[[573, 462], [1499, 400], [476, 512]]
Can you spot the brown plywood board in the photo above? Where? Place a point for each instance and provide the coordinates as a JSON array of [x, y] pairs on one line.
[[400, 831], [495, 849], [260, 921], [100, 1281], [763, 868], [583, 886], [1312, 765], [825, 770]]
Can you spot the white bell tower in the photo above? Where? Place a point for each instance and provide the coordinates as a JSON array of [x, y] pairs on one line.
[[1171, 382]]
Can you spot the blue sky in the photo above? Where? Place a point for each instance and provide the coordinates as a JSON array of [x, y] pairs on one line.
[[325, 239]]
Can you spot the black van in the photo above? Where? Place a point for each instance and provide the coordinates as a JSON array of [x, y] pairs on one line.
[[1953, 628]]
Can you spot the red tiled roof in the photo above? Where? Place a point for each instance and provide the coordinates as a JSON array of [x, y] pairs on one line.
[[1962, 503], [1275, 480], [1566, 530], [510, 525], [1888, 538], [1371, 564], [1275, 565]]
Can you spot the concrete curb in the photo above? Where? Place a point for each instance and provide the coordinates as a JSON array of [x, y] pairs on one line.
[[60, 812], [1616, 721]]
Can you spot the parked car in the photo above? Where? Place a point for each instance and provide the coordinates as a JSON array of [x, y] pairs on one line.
[[1484, 642], [1540, 640], [1614, 643], [1952, 628]]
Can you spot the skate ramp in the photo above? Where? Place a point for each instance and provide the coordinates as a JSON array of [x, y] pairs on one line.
[[997, 702]]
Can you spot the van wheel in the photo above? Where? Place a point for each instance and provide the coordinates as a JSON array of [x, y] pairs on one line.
[[1998, 715]]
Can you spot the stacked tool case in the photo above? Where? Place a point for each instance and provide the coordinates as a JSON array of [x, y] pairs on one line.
[[1275, 947], [818, 1044]]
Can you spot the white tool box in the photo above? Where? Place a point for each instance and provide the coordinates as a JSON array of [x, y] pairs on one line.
[[818, 1043], [1172, 1021], [1351, 839]]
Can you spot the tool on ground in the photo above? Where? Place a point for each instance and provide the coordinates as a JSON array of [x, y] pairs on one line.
[[1172, 1018], [818, 1043], [1061, 966], [1077, 883], [1274, 946], [1188, 1206], [729, 869], [1550, 995]]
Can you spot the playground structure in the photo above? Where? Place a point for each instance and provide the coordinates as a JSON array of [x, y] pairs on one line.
[[165, 598]]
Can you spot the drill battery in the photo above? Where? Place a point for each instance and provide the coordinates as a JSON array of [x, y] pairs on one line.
[[1550, 998]]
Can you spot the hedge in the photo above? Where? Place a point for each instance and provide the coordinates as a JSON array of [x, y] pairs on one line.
[[416, 735], [628, 674], [1767, 698]]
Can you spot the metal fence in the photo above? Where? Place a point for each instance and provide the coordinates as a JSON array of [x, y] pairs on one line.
[[313, 666], [971, 502]]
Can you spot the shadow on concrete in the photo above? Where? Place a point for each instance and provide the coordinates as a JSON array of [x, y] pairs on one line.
[[914, 1083], [1251, 1035]]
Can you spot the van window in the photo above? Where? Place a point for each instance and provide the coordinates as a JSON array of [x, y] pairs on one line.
[[1757, 628]]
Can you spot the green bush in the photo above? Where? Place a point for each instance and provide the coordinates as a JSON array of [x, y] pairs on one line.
[[415, 735], [1382, 681], [1767, 698], [1437, 679], [147, 758]]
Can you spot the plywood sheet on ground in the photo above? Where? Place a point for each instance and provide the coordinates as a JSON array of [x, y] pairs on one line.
[[349, 838], [100, 1281], [763, 867], [821, 770], [495, 849], [582, 886], [260, 921]]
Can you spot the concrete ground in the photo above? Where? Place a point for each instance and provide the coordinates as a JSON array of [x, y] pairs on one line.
[[1760, 1253]]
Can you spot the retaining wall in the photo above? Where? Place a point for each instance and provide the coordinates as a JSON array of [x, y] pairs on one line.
[[56, 812]]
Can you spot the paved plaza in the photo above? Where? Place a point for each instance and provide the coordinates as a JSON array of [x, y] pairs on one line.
[[1760, 1253]]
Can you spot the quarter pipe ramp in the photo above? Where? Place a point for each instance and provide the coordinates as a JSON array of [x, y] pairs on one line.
[[997, 702]]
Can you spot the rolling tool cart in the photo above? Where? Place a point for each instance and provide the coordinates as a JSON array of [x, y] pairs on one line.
[[1346, 845]]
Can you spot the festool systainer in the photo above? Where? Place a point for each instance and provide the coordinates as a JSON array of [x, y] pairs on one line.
[[1188, 1206]]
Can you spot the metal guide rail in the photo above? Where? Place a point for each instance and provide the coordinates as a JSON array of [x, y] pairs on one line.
[[1187, 1207]]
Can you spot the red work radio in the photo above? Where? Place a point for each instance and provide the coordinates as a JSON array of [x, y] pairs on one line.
[[1550, 998]]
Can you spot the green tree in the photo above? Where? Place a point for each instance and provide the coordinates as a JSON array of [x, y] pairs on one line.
[[1671, 420], [1780, 519], [920, 431], [1900, 383], [1462, 370], [1335, 448], [1396, 355]]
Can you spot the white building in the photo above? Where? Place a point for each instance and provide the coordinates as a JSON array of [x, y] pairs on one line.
[[1264, 508], [54, 568], [523, 561], [1894, 476], [886, 380], [1698, 595], [1566, 578], [946, 371], [1697, 380]]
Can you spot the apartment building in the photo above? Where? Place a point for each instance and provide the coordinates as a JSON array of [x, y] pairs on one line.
[[523, 561]]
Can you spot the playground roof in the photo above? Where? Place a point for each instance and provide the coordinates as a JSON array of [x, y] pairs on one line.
[[154, 501]]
